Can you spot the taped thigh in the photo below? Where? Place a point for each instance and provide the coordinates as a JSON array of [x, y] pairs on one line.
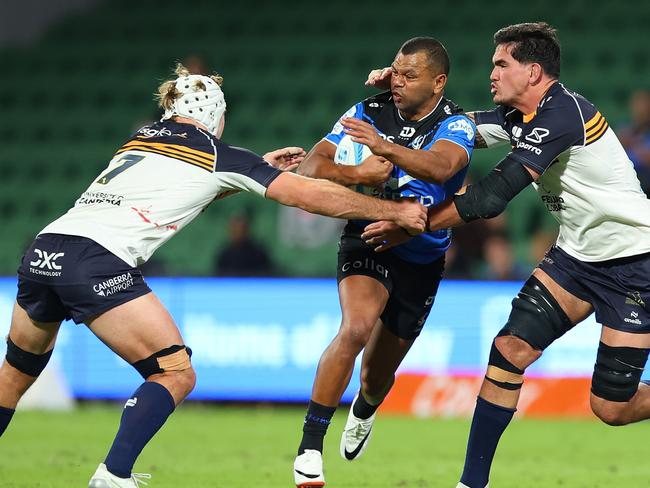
[[617, 372]]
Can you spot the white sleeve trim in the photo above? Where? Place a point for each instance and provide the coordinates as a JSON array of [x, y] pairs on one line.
[[237, 181], [493, 134]]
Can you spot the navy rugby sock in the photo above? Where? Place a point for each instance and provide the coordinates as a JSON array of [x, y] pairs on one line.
[[488, 424], [5, 418], [361, 409], [317, 421], [144, 414]]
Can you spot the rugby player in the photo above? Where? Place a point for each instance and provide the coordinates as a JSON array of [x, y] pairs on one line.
[[385, 298], [600, 262], [84, 265]]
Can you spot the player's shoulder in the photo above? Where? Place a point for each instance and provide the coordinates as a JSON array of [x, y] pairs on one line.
[[375, 104], [450, 109], [170, 135], [592, 121], [235, 152], [183, 142], [566, 106], [458, 123], [234, 158]]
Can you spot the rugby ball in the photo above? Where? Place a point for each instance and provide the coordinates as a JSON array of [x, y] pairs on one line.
[[352, 153]]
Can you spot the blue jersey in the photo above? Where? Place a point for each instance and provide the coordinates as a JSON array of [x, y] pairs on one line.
[[446, 122]]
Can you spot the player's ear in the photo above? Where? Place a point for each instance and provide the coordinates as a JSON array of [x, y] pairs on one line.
[[439, 83], [535, 73]]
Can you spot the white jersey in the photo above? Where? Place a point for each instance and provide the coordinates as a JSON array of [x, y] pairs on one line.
[[587, 181], [157, 183]]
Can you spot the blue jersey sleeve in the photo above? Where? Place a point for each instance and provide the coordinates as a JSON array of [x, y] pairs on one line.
[[457, 129], [336, 134]]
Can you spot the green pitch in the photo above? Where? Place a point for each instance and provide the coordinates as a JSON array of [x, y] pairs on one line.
[[226, 447]]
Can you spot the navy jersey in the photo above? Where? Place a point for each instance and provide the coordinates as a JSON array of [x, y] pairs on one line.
[[447, 122], [587, 181]]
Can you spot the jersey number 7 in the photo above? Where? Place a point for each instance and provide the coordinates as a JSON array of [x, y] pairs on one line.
[[127, 161]]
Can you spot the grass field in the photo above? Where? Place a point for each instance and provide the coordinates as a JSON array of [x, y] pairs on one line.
[[227, 447]]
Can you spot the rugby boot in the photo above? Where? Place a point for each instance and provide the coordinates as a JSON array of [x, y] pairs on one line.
[[460, 485], [308, 469], [356, 434], [103, 478]]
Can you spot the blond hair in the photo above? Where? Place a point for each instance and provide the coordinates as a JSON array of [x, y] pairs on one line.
[[168, 94]]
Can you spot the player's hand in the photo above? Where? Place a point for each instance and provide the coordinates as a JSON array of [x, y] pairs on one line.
[[373, 171], [380, 78], [363, 133], [384, 235], [286, 158], [411, 215]]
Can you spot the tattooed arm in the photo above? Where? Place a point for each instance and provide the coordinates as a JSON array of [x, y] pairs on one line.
[[479, 142]]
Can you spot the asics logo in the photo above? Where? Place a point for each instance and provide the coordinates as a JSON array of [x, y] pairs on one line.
[[46, 260]]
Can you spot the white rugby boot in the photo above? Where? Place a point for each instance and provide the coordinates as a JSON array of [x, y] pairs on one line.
[[460, 485], [356, 434], [103, 478], [308, 469]]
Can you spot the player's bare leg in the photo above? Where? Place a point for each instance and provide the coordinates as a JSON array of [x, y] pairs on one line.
[[381, 358], [31, 345], [362, 301], [140, 328], [510, 356], [143, 333], [631, 352]]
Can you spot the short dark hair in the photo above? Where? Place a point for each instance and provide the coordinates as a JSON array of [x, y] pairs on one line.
[[535, 42], [435, 51]]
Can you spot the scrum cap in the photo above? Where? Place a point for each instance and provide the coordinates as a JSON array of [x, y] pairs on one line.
[[199, 98]]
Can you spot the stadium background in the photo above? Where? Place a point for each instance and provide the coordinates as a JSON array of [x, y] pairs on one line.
[[79, 76]]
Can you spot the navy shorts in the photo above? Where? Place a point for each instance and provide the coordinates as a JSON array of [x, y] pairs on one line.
[[71, 277], [412, 287], [618, 289]]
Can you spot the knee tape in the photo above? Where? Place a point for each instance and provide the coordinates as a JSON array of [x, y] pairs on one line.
[[536, 317], [617, 372], [174, 358], [26, 362], [502, 372]]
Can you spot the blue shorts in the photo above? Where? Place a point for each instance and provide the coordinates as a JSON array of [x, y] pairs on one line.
[[618, 289], [62, 277]]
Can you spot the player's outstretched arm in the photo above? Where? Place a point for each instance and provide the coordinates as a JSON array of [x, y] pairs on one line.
[[485, 199], [436, 165], [319, 163], [326, 198]]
